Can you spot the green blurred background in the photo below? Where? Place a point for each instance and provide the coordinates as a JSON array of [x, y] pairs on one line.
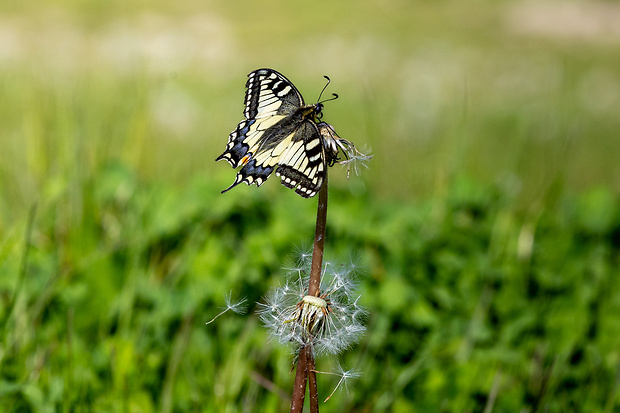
[[488, 221]]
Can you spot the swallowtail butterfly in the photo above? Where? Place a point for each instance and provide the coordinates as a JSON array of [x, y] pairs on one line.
[[280, 132]]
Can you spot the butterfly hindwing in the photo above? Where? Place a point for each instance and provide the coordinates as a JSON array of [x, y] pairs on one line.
[[279, 133], [302, 166]]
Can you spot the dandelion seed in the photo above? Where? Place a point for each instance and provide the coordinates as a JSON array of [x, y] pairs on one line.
[[302, 257], [238, 307], [345, 377]]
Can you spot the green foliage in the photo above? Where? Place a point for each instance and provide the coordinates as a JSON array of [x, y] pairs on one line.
[[498, 292], [469, 300]]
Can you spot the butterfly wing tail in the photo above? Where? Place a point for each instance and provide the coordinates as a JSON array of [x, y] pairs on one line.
[[251, 173]]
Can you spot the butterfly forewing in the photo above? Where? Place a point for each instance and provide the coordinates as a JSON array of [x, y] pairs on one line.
[[268, 93], [279, 133]]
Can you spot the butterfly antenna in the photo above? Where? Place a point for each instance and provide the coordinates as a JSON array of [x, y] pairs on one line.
[[324, 87], [335, 96]]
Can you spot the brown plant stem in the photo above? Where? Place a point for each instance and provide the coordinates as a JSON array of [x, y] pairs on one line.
[[299, 388], [319, 242], [305, 361], [312, 387]]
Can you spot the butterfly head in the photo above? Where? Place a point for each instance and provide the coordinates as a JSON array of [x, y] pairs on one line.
[[318, 110]]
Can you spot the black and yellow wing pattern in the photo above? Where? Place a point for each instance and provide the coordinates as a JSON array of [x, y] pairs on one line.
[[280, 132]]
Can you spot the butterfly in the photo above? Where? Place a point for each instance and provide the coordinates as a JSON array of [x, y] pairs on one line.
[[280, 132]]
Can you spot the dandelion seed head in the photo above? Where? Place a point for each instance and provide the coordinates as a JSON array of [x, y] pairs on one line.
[[329, 323], [334, 144], [354, 158]]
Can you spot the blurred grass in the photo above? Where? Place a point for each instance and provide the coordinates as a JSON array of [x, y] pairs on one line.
[[488, 220], [437, 89]]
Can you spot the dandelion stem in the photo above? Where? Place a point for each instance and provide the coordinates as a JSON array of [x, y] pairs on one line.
[[305, 361], [312, 386], [319, 242], [299, 389]]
